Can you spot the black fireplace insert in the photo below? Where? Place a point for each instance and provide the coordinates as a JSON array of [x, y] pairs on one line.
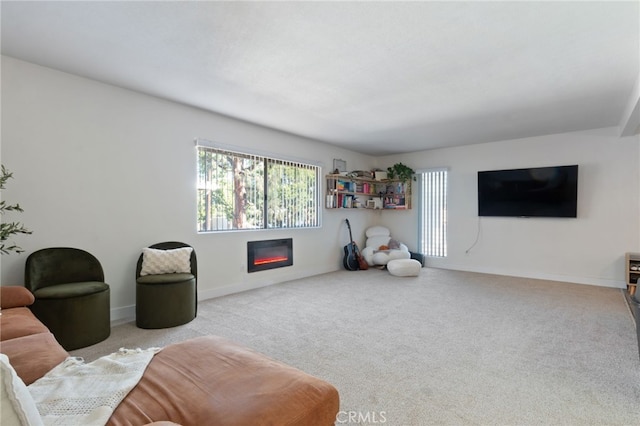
[[269, 254]]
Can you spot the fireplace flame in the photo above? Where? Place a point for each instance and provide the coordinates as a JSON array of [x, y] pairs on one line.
[[267, 260]]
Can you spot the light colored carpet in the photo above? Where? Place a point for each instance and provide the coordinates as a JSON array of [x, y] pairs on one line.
[[445, 348]]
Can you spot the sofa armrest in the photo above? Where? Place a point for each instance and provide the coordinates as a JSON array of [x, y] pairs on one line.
[[13, 296]]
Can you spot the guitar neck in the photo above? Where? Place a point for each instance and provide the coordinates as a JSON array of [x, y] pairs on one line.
[[349, 226]]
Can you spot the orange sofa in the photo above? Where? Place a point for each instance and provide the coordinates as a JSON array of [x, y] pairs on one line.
[[207, 380]]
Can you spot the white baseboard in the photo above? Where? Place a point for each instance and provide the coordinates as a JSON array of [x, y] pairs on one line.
[[128, 313], [597, 281], [244, 286], [122, 315]]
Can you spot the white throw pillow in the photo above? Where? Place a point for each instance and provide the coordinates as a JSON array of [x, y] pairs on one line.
[[18, 407], [156, 261]]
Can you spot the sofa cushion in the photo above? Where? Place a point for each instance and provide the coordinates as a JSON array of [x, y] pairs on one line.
[[162, 423], [217, 382], [12, 296], [18, 322], [33, 356], [155, 261], [18, 407]]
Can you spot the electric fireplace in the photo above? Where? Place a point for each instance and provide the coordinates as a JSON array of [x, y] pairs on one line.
[[269, 254]]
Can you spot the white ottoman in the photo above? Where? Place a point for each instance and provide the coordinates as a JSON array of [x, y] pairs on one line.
[[404, 267]]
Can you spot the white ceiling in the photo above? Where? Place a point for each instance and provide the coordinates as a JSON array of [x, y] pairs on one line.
[[373, 77]]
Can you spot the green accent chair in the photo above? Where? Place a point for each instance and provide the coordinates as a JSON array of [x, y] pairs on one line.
[[71, 297], [166, 300]]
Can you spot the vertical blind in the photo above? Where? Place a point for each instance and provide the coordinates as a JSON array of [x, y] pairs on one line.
[[246, 191], [293, 197], [433, 217]]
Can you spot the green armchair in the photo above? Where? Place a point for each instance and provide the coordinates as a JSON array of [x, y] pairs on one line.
[[166, 295], [71, 297]]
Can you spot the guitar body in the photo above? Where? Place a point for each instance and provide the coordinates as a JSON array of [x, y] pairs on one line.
[[352, 259]]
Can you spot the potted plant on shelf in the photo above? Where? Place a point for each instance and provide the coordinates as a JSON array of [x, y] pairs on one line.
[[401, 172], [10, 228]]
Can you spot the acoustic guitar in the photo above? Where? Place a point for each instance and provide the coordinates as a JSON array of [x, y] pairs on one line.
[[352, 259]]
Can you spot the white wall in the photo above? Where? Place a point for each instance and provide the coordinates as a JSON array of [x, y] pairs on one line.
[[589, 249], [111, 171]]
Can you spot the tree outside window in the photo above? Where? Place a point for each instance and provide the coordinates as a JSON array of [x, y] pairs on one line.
[[243, 191]]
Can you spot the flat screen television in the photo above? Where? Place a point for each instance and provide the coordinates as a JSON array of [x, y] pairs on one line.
[[532, 192]]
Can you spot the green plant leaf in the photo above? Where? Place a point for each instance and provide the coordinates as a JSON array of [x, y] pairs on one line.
[[9, 228]]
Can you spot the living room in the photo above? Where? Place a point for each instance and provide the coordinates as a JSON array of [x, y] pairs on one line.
[[111, 170], [84, 180]]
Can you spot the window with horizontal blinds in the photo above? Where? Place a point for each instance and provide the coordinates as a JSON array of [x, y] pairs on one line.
[[245, 191], [433, 212]]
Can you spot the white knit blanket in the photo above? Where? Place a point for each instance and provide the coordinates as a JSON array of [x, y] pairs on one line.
[[75, 393]]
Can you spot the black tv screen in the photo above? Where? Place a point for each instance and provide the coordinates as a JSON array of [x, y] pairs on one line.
[[532, 192]]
